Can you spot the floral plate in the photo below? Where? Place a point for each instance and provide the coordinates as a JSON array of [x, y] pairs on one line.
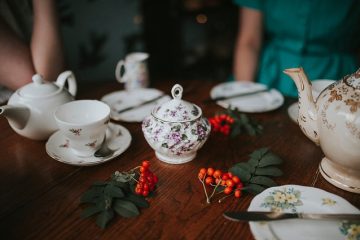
[[259, 102], [294, 198], [123, 99], [57, 147]]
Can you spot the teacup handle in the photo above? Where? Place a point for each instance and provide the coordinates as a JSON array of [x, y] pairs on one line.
[[70, 78], [118, 76]]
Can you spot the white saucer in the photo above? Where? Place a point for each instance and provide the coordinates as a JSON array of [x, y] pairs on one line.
[[260, 102], [303, 200], [122, 99], [57, 147], [293, 111]]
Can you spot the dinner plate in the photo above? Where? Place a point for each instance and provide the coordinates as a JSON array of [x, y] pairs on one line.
[[295, 198], [259, 102], [123, 99], [57, 147]]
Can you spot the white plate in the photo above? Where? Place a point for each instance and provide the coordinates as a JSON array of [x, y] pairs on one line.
[[294, 198], [260, 102], [293, 111], [122, 99], [57, 147]]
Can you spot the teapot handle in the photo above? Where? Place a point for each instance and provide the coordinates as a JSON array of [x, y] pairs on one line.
[[118, 76], [70, 78]]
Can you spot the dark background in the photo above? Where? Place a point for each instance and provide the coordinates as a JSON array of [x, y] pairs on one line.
[[186, 39]]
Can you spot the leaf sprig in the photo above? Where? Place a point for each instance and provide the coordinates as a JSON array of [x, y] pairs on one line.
[[243, 123], [257, 172], [114, 196]]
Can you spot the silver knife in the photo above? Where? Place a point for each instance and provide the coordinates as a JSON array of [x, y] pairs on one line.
[[235, 95], [141, 104], [270, 216]]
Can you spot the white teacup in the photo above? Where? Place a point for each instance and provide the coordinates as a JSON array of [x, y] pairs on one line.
[[84, 124], [135, 72]]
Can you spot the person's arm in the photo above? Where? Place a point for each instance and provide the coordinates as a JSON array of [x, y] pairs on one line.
[[16, 66], [46, 44], [18, 61], [248, 44]]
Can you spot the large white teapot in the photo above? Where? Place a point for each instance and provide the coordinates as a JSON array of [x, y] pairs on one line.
[[30, 109], [333, 122]]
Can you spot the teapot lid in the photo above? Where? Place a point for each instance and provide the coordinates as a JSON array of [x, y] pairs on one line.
[[177, 110], [38, 88]]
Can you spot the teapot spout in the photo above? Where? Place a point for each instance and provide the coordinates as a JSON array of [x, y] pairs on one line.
[[307, 118], [17, 116]]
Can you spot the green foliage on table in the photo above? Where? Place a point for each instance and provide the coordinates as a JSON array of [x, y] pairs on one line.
[[243, 123], [113, 196], [256, 173]]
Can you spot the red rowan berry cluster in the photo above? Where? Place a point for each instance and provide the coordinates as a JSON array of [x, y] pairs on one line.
[[221, 123], [227, 182], [147, 180]]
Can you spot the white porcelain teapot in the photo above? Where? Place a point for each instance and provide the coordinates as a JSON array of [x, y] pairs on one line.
[[333, 122], [30, 108], [176, 129]]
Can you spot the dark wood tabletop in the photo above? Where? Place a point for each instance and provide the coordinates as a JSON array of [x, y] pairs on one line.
[[40, 196]]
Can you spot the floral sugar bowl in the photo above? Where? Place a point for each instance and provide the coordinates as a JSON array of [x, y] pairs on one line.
[[176, 129]]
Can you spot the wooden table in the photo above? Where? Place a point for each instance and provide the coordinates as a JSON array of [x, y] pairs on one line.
[[40, 197]]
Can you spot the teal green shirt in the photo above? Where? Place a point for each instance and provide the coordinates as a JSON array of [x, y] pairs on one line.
[[322, 36]]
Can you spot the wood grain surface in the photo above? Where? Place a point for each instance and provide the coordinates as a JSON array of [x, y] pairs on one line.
[[40, 197]]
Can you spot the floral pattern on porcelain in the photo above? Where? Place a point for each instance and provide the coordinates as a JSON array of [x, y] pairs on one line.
[[76, 132], [176, 129], [328, 202], [180, 111], [351, 230], [280, 200], [173, 138]]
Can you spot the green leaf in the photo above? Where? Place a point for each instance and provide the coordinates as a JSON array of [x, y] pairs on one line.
[[104, 217], [254, 188], [269, 159], [241, 173], [89, 211], [104, 202], [137, 200], [246, 166], [125, 208], [91, 194], [113, 191], [235, 130], [100, 183], [262, 180], [269, 171], [258, 154]]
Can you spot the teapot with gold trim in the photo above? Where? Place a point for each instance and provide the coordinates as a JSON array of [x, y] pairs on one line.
[[332, 120]]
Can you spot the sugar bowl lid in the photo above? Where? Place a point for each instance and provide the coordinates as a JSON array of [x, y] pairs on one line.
[[177, 110]]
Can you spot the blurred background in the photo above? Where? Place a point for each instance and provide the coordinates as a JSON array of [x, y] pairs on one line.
[[186, 39]]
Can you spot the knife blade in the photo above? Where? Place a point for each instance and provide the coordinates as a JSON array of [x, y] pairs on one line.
[[270, 216], [141, 104], [235, 95]]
